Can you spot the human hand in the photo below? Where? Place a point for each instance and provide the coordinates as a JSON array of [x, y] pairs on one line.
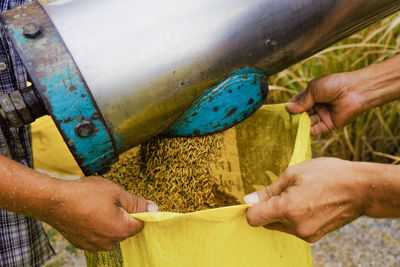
[[332, 101], [93, 213], [310, 199]]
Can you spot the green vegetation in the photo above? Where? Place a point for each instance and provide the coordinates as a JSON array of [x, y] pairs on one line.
[[375, 136]]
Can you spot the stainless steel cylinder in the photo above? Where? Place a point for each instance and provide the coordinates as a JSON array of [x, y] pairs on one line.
[[112, 74], [145, 62]]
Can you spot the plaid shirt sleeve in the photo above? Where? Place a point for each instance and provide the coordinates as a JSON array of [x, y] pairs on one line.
[[23, 241]]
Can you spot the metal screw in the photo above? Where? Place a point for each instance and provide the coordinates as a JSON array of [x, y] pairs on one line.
[[84, 128], [32, 30]]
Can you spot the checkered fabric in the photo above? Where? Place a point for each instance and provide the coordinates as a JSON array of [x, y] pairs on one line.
[[23, 241]]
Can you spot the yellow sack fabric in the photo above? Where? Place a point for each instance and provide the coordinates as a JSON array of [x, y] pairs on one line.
[[254, 154], [221, 237], [50, 153]]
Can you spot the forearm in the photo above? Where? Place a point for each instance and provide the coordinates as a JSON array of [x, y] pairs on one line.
[[380, 184], [92, 213], [26, 191], [379, 83]]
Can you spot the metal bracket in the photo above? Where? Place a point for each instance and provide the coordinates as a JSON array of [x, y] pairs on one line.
[[61, 86]]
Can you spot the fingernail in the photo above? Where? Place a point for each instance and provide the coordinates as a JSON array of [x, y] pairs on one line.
[[152, 207], [251, 198]]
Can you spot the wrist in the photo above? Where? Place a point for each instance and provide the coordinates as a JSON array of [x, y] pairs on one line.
[[356, 185], [49, 199], [378, 83], [380, 187]]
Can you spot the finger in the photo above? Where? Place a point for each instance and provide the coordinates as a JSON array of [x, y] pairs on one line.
[[272, 190], [265, 212], [326, 116], [132, 225], [297, 96], [315, 118], [311, 111], [151, 206], [134, 204], [319, 128], [303, 102]]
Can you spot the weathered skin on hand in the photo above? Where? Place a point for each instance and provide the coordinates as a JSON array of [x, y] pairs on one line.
[[93, 213], [316, 197], [335, 100]]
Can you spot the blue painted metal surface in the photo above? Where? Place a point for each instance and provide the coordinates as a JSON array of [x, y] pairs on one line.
[[61, 87], [224, 105]]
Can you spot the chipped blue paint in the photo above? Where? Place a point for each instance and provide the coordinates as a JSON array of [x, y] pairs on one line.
[[224, 105], [63, 91], [69, 108]]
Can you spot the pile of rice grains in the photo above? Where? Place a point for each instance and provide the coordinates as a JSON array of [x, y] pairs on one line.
[[173, 172], [176, 173]]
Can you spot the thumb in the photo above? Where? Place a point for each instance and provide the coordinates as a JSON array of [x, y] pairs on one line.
[[274, 189], [302, 102], [132, 204], [267, 202]]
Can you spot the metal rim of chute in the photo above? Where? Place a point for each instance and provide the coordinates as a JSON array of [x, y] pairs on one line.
[[61, 86]]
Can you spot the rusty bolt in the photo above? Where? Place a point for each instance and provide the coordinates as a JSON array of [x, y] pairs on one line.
[[84, 128], [32, 30]]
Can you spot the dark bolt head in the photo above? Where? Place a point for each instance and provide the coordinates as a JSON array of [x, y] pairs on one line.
[[84, 128], [32, 30]]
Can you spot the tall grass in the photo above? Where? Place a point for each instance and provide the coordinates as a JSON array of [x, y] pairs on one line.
[[374, 136]]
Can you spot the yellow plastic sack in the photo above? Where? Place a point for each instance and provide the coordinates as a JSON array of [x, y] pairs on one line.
[[50, 153], [254, 154], [222, 237]]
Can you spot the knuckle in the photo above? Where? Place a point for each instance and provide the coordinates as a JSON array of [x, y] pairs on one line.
[[304, 232], [289, 209], [313, 84], [136, 203], [263, 194], [288, 172]]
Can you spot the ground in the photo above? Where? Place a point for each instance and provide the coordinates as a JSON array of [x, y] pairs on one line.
[[67, 255], [365, 242]]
